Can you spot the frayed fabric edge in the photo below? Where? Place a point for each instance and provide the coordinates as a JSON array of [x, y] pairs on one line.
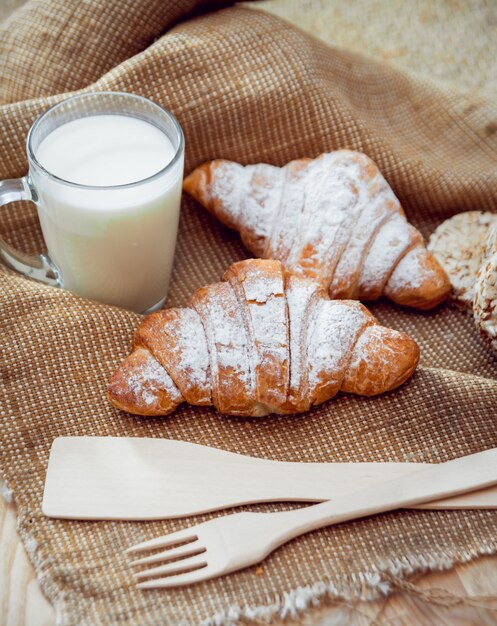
[[379, 582], [364, 586], [6, 493]]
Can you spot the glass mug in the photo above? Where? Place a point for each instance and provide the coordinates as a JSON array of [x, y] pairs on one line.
[[109, 242]]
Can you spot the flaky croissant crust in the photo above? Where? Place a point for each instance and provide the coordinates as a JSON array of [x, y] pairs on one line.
[[262, 341], [334, 219]]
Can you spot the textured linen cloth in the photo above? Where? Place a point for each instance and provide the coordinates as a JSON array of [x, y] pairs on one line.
[[447, 41], [245, 86]]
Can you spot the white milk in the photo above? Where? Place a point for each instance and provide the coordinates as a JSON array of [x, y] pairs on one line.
[[111, 244]]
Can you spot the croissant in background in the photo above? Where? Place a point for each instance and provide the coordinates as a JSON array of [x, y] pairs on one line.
[[334, 219], [262, 341]]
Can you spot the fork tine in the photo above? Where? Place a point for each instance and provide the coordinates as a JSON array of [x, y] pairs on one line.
[[187, 578], [172, 553], [165, 540], [199, 560]]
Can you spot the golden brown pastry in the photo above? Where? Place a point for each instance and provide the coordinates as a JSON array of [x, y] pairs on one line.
[[334, 219], [262, 341]]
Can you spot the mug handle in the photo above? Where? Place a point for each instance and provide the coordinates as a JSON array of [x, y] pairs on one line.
[[38, 267]]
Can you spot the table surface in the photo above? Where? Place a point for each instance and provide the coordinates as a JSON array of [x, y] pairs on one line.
[[23, 604]]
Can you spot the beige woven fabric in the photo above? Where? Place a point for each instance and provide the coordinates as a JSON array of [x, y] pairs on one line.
[[245, 86], [451, 42]]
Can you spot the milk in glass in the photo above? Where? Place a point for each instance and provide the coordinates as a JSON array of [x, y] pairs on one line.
[[112, 240]]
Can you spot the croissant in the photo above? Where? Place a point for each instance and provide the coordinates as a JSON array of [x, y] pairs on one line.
[[262, 341], [334, 219]]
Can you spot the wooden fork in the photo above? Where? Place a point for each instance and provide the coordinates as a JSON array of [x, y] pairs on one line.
[[233, 542]]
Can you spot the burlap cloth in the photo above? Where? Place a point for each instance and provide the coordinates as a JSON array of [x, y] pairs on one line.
[[249, 87]]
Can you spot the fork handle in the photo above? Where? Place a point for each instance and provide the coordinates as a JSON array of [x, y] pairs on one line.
[[434, 483]]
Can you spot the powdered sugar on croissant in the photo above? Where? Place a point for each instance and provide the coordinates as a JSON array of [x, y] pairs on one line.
[[262, 341], [334, 219]]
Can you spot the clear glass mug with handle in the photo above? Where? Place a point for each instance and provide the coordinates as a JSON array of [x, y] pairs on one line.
[[109, 242]]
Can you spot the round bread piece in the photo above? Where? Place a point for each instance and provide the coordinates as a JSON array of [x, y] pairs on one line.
[[485, 301], [459, 245], [491, 243]]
